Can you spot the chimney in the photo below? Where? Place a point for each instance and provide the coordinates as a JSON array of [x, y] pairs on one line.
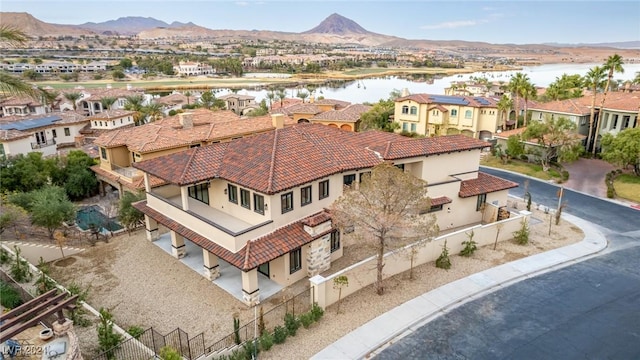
[[277, 120], [186, 120], [311, 99]]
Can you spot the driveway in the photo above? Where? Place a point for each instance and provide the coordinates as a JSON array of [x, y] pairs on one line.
[[587, 176]]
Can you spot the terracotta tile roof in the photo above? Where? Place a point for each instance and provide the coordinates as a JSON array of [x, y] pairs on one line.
[[350, 114], [578, 106], [275, 104], [337, 103], [299, 109], [440, 201], [484, 184], [20, 101], [474, 101], [111, 114], [237, 96], [136, 184], [168, 133], [99, 94], [506, 134], [623, 101], [255, 253], [278, 160], [66, 118], [175, 99], [316, 219], [438, 107]]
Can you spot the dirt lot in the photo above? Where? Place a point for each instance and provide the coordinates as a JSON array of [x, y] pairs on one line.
[[144, 286]]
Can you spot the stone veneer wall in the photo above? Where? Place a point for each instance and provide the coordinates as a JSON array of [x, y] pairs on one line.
[[319, 256]]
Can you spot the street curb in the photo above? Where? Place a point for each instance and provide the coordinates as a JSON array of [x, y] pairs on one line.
[[348, 346]]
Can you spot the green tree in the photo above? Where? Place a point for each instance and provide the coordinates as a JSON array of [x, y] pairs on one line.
[[126, 63], [623, 149], [135, 103], [11, 85], [73, 97], [129, 216], [516, 85], [504, 105], [378, 117], [107, 102], [25, 172], [556, 139], [613, 64], [107, 337], [302, 95], [385, 209], [528, 91], [10, 216], [31, 74], [281, 94], [117, 75], [515, 146], [594, 79], [50, 207]]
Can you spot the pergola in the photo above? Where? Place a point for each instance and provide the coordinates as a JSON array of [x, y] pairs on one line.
[[27, 315]]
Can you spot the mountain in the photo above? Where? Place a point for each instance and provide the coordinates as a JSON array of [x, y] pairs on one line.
[[129, 25], [617, 45], [337, 24], [34, 27]]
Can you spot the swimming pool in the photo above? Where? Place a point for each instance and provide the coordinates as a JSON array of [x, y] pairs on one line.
[[89, 216]]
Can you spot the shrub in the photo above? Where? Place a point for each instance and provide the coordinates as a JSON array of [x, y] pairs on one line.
[[236, 330], [317, 312], [443, 261], [522, 236], [4, 256], [20, 269], [107, 337], [266, 340], [279, 334], [250, 348], [9, 296], [470, 246], [291, 323], [169, 353], [135, 331], [306, 319]]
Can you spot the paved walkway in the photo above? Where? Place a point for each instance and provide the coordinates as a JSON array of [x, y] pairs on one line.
[[382, 331], [587, 176]]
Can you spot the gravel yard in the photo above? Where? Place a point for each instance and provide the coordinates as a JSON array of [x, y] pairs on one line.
[[143, 285]]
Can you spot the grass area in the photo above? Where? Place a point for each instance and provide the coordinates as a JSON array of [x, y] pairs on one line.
[[628, 187], [530, 169]]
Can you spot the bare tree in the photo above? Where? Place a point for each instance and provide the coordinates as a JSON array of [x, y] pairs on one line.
[[386, 209]]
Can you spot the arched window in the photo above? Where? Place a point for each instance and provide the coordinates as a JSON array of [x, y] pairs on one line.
[[405, 109], [467, 114], [414, 110]]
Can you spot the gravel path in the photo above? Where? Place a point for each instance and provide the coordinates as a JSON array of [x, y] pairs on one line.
[[143, 285]]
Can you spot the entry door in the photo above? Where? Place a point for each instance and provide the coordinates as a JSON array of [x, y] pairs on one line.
[[264, 269]]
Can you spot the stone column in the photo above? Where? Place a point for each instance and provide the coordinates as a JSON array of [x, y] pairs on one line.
[[152, 228], [318, 284], [319, 256], [211, 266], [147, 183], [250, 290], [178, 249], [184, 195]]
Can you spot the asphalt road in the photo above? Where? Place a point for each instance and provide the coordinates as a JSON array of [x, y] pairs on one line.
[[590, 310]]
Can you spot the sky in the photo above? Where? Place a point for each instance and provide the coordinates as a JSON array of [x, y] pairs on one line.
[[500, 22]]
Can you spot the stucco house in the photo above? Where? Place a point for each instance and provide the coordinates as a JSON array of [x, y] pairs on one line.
[[257, 206], [432, 115], [120, 148], [239, 104], [41, 133], [21, 106]]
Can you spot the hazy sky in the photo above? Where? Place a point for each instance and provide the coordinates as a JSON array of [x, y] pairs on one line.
[[518, 22]]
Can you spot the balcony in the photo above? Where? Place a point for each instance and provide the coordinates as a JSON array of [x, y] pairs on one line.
[[227, 231], [128, 172], [40, 145]]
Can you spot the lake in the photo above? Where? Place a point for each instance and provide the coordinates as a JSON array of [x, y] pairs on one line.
[[374, 89]]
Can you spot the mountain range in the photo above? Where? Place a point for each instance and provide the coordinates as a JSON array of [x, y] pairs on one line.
[[335, 29]]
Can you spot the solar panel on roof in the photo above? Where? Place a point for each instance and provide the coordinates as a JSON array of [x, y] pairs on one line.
[[482, 101], [450, 100], [28, 124]]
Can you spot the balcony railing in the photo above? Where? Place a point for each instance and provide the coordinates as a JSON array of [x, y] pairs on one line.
[[41, 145], [125, 171]]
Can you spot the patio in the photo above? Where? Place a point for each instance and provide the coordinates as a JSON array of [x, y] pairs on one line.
[[230, 279]]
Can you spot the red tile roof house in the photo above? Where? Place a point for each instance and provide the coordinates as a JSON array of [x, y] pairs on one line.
[[259, 203]]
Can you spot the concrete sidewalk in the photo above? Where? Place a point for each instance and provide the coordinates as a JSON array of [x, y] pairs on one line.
[[382, 331]]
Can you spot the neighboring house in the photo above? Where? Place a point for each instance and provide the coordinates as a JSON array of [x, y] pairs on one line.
[[239, 104], [190, 68], [304, 112], [112, 119], [346, 119], [55, 67], [620, 112], [120, 148], [44, 133], [259, 204], [432, 115], [577, 110], [174, 101], [91, 101], [21, 106]]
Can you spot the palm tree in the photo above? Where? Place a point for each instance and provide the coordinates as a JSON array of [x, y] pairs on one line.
[[515, 87], [281, 94], [73, 97], [528, 91], [594, 80], [9, 84], [504, 105], [152, 112], [134, 103], [271, 95], [106, 102], [188, 95], [303, 95], [613, 64]]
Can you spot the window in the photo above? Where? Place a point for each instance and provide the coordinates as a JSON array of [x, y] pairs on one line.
[[67, 132], [323, 189], [348, 179], [467, 114], [245, 198], [435, 112], [405, 109], [286, 202], [414, 110], [363, 174], [614, 122], [625, 122], [103, 153], [540, 116], [482, 198], [295, 260], [413, 127], [305, 195], [605, 121], [120, 121], [200, 192], [335, 240], [54, 133], [454, 112], [258, 203], [400, 166], [405, 126], [194, 146], [435, 208], [232, 192]]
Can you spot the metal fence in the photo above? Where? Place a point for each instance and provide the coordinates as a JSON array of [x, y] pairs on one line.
[[149, 344]]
